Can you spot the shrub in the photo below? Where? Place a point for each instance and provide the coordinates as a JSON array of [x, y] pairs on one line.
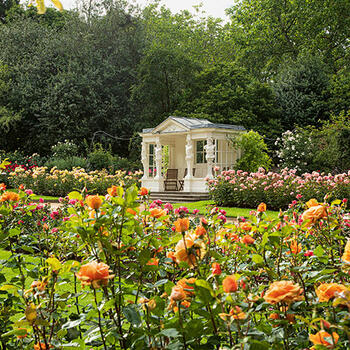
[[295, 150], [100, 158], [67, 163], [63, 150], [242, 189], [254, 152]]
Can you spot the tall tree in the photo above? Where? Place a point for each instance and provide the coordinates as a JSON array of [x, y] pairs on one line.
[[267, 32]]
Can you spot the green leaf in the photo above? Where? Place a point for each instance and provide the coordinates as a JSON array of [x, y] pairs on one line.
[[258, 259], [54, 264], [319, 251], [170, 333], [75, 195], [132, 315], [14, 232]]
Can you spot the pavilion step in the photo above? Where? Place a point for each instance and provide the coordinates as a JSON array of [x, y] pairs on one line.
[[179, 197]]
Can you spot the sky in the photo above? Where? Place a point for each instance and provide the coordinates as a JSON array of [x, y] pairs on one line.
[[214, 8]]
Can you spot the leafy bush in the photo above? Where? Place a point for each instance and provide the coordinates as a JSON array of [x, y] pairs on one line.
[[64, 150], [105, 273], [254, 152], [67, 163], [100, 158]]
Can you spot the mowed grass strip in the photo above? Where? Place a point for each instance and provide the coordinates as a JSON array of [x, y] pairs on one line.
[[203, 207]]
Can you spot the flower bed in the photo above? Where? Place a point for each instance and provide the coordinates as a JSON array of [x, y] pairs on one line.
[[104, 273], [242, 189], [60, 182]]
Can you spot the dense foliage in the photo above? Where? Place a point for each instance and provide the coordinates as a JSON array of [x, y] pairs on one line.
[[105, 273], [107, 70]]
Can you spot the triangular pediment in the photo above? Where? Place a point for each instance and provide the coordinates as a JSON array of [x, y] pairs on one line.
[[168, 126]]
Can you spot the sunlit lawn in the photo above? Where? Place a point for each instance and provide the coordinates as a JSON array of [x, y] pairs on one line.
[[231, 212]]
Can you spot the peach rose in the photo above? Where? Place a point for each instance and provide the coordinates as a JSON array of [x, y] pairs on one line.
[[9, 196], [295, 248], [182, 225], [216, 269], [229, 284], [248, 239], [200, 231], [177, 293], [186, 284], [346, 255], [153, 262], [181, 249], [261, 207], [327, 291], [94, 202], [314, 213], [312, 203], [245, 226], [112, 191], [143, 191], [283, 291], [320, 339], [95, 274], [157, 212]]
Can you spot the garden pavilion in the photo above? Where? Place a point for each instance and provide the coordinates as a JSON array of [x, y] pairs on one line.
[[180, 154]]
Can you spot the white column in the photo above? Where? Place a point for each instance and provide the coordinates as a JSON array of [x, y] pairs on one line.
[[210, 156], [158, 154], [145, 160], [189, 156]]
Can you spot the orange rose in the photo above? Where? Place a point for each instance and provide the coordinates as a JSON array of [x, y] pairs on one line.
[[153, 262], [157, 212], [295, 248], [261, 207], [181, 253], [177, 293], [245, 226], [186, 284], [346, 255], [182, 225], [313, 214], [312, 203], [112, 191], [21, 187], [95, 274], [237, 313], [283, 291], [320, 339], [327, 291], [248, 239], [9, 196], [216, 269], [171, 255], [39, 285], [2, 187], [42, 346], [94, 202], [131, 211], [229, 284], [200, 231], [143, 191]]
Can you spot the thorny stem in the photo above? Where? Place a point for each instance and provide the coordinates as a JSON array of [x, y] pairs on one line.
[[99, 320]]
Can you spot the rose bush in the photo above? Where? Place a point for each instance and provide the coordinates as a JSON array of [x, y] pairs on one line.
[[109, 272], [277, 190], [60, 182]]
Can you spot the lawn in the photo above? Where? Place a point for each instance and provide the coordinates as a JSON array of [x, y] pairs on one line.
[[231, 212]]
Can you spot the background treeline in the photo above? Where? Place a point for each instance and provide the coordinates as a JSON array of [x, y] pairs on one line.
[[111, 67]]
